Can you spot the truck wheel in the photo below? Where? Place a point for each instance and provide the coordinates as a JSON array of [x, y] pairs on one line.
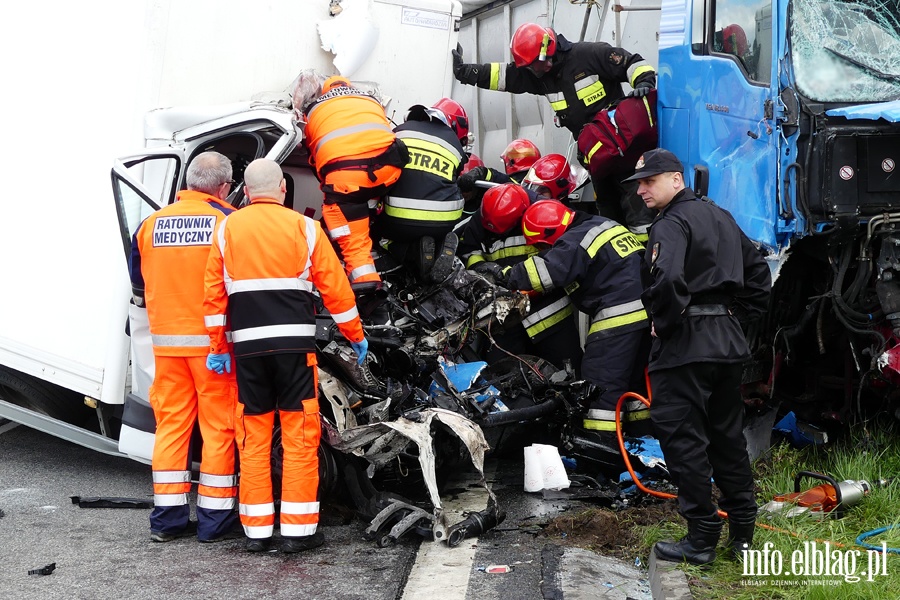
[[42, 397]]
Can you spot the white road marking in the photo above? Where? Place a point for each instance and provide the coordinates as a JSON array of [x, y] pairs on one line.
[[440, 571]]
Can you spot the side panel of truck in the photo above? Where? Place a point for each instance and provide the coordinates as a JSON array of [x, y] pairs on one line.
[[501, 117]]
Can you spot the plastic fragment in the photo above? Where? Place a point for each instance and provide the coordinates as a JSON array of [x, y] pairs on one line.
[[45, 570]]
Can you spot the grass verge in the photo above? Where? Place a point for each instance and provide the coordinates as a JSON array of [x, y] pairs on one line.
[[869, 455]]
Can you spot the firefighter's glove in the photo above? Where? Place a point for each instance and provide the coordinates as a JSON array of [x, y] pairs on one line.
[[361, 349], [642, 89], [466, 181], [495, 271], [220, 363], [467, 74]]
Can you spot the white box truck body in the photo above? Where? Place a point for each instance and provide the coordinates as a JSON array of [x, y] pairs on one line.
[[64, 333]]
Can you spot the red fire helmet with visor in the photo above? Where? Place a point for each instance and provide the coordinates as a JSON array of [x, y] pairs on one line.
[[550, 176]]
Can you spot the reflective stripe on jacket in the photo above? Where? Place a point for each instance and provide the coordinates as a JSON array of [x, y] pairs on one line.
[[168, 262], [265, 262], [348, 124], [599, 264], [425, 197]]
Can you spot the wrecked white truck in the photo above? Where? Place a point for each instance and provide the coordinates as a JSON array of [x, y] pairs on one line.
[[75, 356]]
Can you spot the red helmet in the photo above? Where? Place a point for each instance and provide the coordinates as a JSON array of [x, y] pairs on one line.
[[734, 40], [552, 175], [456, 118], [546, 220], [502, 207], [532, 42], [520, 155], [473, 162]]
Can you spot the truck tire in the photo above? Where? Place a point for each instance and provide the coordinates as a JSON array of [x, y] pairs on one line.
[[42, 397]]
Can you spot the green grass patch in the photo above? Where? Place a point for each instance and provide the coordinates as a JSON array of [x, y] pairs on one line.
[[870, 455]]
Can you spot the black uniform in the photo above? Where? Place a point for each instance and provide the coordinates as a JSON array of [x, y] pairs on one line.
[[599, 264], [549, 330], [425, 200], [474, 194], [586, 78], [704, 271]]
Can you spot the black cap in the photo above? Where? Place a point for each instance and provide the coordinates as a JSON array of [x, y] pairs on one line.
[[655, 162]]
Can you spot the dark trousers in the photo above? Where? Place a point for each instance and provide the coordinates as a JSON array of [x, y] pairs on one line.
[[697, 414], [619, 201]]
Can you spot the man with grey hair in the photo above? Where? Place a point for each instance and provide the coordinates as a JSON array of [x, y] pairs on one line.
[[264, 267], [168, 261]]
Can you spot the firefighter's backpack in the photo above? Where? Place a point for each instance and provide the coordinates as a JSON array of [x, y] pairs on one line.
[[617, 136]]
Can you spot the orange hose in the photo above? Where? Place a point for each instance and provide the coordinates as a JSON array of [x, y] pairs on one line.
[[634, 477]]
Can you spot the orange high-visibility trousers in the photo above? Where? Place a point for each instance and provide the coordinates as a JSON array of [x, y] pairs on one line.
[[183, 391], [262, 380], [352, 236]]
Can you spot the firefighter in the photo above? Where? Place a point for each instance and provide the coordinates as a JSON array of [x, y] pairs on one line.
[[168, 261], [491, 244], [425, 203], [578, 79], [356, 157], [264, 267], [551, 178], [517, 158], [705, 278], [598, 262]]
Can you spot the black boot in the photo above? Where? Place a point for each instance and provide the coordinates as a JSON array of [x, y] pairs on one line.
[[740, 533], [443, 263], [698, 547]]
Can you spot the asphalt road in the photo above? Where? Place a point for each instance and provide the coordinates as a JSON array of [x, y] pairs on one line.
[[106, 553]]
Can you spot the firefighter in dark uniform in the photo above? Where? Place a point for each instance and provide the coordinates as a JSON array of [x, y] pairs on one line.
[[706, 279], [579, 79], [424, 205], [599, 264], [518, 157], [491, 243]]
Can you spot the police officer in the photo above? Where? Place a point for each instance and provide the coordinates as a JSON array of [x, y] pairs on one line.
[[425, 203], [579, 79], [263, 269], [491, 243], [598, 262], [705, 276], [168, 263]]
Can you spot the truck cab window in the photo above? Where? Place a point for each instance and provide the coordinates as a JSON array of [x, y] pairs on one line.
[[743, 30]]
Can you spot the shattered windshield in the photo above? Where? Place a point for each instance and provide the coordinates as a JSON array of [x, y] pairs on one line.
[[846, 51]]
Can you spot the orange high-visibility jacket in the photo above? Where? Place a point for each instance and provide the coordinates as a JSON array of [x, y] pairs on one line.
[[265, 261], [168, 263], [347, 124]]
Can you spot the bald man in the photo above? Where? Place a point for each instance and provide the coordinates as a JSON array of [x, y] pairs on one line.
[[264, 264]]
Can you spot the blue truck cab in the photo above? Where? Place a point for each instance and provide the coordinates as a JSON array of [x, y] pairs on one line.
[[787, 114]]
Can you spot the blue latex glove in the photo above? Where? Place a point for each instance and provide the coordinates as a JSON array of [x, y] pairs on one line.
[[361, 349], [220, 363]]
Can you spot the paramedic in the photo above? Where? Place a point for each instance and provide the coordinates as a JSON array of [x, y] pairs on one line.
[[265, 264], [168, 261]]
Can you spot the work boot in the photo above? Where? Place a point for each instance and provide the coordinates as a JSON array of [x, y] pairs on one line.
[[443, 264], [162, 536], [425, 259], [257, 544], [698, 547], [232, 533], [290, 545], [740, 534]]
